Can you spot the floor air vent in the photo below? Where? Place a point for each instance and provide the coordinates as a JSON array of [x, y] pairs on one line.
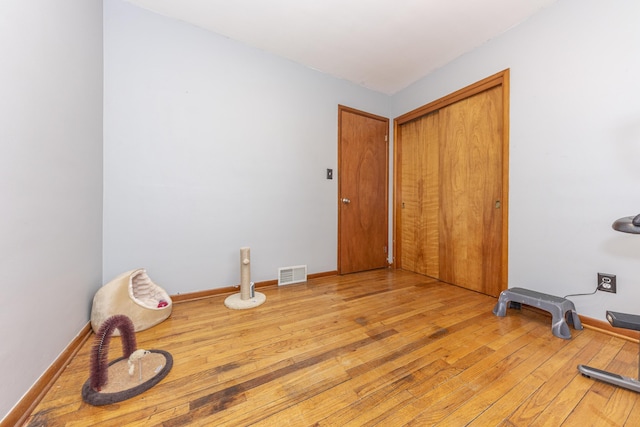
[[289, 275]]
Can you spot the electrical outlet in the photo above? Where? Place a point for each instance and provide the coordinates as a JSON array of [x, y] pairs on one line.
[[607, 282]]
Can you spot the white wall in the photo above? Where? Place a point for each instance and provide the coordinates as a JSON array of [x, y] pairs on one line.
[[211, 145], [50, 182], [575, 145]]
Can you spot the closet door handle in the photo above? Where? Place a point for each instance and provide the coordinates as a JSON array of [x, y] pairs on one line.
[[346, 201]]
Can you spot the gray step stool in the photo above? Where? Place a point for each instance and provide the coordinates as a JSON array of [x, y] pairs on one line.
[[561, 309]]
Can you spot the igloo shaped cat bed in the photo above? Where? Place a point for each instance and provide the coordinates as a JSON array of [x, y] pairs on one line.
[[134, 295]]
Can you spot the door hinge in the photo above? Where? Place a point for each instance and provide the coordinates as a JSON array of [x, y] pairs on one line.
[[385, 249], [386, 138]]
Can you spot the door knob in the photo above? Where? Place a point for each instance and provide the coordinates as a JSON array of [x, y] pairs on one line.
[[346, 201]]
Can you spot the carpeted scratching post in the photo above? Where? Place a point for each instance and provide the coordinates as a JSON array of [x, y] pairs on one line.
[[248, 297], [128, 376]]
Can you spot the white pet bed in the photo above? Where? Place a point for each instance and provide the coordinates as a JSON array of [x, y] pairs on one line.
[[134, 295]]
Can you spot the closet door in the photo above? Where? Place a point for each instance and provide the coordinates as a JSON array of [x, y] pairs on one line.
[[471, 192], [419, 241], [451, 168]]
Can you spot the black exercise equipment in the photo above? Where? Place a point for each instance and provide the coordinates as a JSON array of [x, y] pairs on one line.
[[631, 225]]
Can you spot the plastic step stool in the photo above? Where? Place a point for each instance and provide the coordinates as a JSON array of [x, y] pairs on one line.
[[561, 309]]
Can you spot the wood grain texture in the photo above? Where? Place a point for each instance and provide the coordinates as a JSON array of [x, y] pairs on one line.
[[418, 248], [451, 182], [451, 160], [384, 347], [363, 180], [471, 192]]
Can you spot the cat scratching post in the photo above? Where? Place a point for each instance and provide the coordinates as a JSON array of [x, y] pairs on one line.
[[248, 297]]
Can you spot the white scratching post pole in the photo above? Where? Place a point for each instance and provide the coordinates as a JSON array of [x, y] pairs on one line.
[[248, 297]]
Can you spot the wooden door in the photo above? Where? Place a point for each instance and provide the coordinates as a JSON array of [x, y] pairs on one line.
[[451, 187], [471, 192], [362, 191], [419, 188]]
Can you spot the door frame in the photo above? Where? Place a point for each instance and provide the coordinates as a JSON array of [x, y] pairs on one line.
[[499, 79], [341, 109]]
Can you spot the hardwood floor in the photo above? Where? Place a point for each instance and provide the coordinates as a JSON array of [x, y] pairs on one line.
[[385, 347]]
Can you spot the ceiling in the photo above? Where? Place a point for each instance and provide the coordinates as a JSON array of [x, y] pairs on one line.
[[384, 45]]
